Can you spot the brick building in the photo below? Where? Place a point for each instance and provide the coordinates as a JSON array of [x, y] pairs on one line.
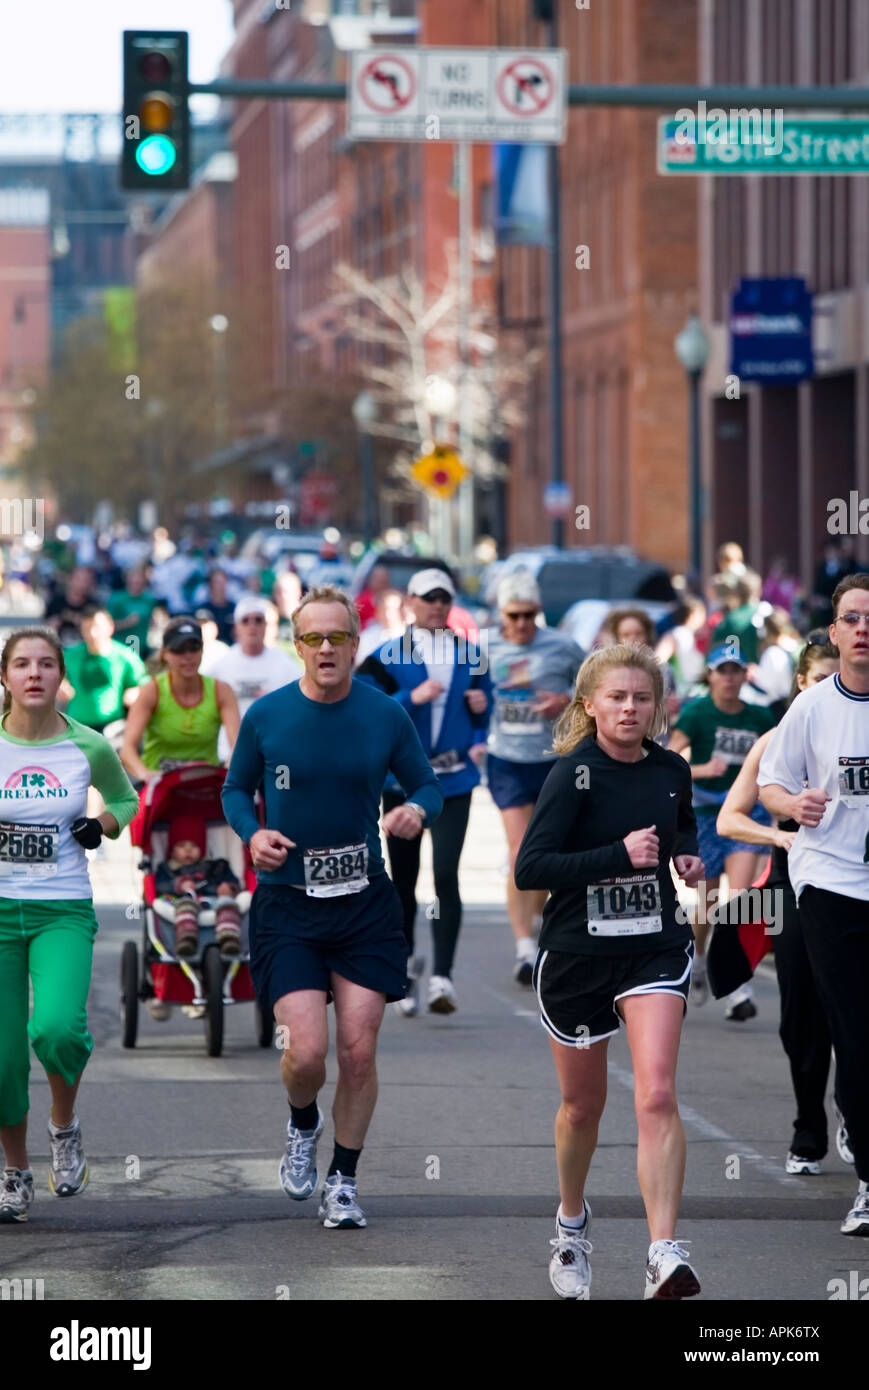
[[775, 457], [25, 311]]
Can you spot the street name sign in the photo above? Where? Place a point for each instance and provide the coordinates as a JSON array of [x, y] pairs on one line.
[[503, 95], [776, 145]]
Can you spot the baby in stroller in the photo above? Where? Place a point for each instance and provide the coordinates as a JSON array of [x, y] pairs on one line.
[[188, 881]]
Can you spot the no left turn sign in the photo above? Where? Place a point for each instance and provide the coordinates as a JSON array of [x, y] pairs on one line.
[[526, 87], [387, 84]]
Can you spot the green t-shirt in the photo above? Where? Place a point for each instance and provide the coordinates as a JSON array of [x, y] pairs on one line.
[[100, 681], [727, 736], [739, 623], [122, 605]]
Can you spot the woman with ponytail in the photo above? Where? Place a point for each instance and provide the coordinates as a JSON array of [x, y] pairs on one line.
[[803, 1029], [615, 810]]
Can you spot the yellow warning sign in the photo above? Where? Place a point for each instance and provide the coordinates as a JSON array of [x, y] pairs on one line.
[[440, 472]]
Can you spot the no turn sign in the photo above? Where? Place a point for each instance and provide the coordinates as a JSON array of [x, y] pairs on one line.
[[498, 95], [388, 85]]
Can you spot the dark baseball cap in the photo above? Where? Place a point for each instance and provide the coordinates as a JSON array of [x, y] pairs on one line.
[[188, 631]]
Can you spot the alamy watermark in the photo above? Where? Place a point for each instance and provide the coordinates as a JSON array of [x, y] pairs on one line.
[[21, 516], [447, 646], [740, 125]]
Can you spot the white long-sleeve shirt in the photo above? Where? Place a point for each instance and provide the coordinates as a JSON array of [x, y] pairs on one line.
[[823, 741]]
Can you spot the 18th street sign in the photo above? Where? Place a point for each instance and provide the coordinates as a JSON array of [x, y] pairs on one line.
[[470, 94], [786, 145]]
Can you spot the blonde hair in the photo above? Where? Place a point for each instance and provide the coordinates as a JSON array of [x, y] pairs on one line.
[[328, 593], [574, 724]]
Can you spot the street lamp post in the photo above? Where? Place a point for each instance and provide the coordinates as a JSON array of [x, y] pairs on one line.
[[218, 323], [439, 398], [692, 350], [365, 413]]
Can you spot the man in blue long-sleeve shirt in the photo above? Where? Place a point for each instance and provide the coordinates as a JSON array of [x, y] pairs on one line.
[[325, 918]]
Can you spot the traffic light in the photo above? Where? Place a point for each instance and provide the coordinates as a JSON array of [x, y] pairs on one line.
[[156, 146]]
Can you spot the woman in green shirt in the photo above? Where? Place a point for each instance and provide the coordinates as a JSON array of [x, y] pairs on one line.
[[179, 713], [715, 734]]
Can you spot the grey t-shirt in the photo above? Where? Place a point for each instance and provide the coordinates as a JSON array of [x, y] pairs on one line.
[[549, 662]]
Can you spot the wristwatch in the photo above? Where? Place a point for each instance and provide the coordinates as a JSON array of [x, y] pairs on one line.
[[415, 806]]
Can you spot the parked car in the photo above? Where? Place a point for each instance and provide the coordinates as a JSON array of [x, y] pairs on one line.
[[285, 548], [588, 572], [583, 620]]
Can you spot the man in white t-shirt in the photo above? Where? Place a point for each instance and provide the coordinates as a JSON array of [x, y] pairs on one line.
[[815, 771], [251, 667]]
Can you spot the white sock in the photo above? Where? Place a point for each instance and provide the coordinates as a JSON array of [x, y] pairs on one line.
[[572, 1223], [55, 1131]]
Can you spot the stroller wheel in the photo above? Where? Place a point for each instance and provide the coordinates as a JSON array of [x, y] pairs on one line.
[[265, 1023], [212, 974], [129, 994]]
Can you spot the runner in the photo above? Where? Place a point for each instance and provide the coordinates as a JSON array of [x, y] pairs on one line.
[[614, 811], [325, 920], [803, 1029], [178, 714], [816, 772], [715, 734], [47, 922], [252, 666], [438, 679], [533, 670]]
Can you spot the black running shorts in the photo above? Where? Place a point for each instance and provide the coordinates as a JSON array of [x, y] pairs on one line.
[[296, 942], [578, 994]]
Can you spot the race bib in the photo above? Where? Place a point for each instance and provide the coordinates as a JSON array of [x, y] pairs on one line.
[[28, 851], [447, 762], [854, 783], [733, 745], [629, 905], [330, 873], [516, 713]]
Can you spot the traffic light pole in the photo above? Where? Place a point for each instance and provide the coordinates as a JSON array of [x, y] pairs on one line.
[[662, 97]]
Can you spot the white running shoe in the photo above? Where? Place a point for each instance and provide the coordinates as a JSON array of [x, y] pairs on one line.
[[801, 1167], [569, 1270], [408, 1007], [298, 1167], [16, 1195], [843, 1143], [668, 1273], [441, 995], [856, 1223], [698, 992], [339, 1209], [158, 1009], [523, 970], [69, 1170]]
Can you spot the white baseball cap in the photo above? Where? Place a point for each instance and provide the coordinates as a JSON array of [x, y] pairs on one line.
[[250, 603], [426, 581]]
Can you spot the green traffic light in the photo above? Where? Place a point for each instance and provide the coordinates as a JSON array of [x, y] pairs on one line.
[[156, 154]]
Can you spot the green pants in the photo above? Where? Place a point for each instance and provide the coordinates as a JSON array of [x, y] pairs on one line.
[[52, 942]]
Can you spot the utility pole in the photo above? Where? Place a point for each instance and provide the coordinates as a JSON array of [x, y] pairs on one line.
[[466, 487]]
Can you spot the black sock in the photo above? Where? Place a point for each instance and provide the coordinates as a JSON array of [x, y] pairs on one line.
[[344, 1161], [304, 1116]]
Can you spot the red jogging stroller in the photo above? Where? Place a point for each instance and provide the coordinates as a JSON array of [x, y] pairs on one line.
[[204, 980]]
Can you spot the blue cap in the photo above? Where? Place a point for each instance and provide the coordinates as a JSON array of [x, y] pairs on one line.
[[719, 656]]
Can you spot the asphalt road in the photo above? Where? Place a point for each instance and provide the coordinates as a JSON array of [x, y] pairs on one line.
[[457, 1177]]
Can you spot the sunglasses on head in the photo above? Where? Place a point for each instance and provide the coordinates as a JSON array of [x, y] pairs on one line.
[[437, 596], [316, 639]]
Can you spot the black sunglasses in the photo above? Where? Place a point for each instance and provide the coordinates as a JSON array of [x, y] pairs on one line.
[[437, 596]]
